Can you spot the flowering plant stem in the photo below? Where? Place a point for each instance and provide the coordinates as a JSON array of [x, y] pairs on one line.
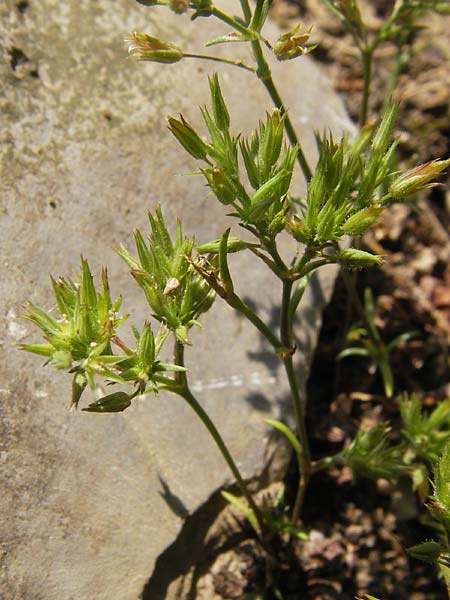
[[366, 59], [246, 10], [264, 74], [286, 335], [181, 388]]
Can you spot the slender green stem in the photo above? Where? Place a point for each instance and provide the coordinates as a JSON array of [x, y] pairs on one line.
[[216, 12], [286, 334], [351, 289], [300, 263], [400, 60], [322, 463], [367, 57], [227, 61], [183, 390], [348, 26], [235, 302], [312, 266], [304, 457], [269, 262], [272, 249], [305, 460], [265, 75], [246, 11]]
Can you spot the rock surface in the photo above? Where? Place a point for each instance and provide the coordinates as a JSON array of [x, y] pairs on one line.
[[84, 151]]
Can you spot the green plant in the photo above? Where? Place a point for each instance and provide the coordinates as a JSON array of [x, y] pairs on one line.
[[372, 345], [351, 185], [397, 29], [433, 552]]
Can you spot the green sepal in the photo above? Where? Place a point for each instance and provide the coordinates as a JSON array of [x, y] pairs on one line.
[[220, 111], [359, 222], [188, 138], [233, 36], [352, 258], [112, 403], [41, 349], [429, 551], [233, 245], [79, 384]]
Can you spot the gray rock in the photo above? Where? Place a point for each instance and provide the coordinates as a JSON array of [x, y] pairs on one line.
[[84, 154]]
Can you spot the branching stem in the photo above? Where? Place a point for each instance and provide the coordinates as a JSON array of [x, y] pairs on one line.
[[265, 75]]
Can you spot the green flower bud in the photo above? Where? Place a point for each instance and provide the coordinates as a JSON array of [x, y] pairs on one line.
[[276, 187], [427, 551], [142, 46], [298, 229], [221, 185], [188, 138], [362, 220], [116, 402], [220, 111], [233, 245], [417, 179], [61, 360], [278, 223], [357, 259]]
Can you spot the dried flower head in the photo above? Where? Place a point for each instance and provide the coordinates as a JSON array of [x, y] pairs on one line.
[[290, 45], [142, 46]]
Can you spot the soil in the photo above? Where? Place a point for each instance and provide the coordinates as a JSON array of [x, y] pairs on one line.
[[358, 531]]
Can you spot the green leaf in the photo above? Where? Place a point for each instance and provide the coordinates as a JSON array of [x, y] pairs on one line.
[[387, 377], [404, 337], [288, 433], [233, 245], [248, 512], [352, 351], [233, 36]]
